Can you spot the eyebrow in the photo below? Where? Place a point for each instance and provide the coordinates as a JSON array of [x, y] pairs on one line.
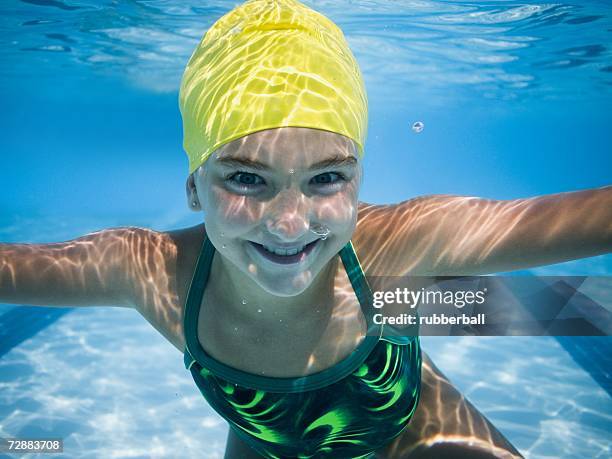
[[334, 161]]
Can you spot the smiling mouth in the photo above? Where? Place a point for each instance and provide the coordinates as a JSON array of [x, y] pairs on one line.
[[285, 256]]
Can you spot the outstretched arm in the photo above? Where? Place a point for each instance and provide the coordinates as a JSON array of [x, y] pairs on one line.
[[130, 267], [92, 270], [455, 235]]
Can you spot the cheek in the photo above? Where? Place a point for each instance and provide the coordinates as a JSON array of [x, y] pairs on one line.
[[229, 209], [339, 211]]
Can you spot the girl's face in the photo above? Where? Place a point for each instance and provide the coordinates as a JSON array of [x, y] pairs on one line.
[[270, 197]]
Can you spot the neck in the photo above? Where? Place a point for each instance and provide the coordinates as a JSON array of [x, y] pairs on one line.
[[243, 298]]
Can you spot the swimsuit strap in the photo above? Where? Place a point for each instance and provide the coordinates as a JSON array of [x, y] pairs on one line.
[[196, 292], [194, 353], [359, 282]]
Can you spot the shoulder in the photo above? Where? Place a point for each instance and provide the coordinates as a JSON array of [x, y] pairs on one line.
[[178, 245], [183, 247], [394, 239], [369, 213], [161, 269]]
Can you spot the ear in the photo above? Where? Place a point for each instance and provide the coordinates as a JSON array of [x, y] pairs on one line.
[[192, 195]]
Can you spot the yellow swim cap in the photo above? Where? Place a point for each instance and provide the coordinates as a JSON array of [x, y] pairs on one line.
[[269, 64]]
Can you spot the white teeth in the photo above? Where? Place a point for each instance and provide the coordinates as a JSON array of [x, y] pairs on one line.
[[283, 252]]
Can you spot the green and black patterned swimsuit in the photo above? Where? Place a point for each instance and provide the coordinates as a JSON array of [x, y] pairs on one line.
[[345, 411]]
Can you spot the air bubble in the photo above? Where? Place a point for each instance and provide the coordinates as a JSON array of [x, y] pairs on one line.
[[244, 301], [418, 126], [321, 231], [259, 310], [291, 171], [223, 246]]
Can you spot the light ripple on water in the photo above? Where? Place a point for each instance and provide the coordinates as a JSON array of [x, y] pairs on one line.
[[128, 395], [405, 48], [532, 391]]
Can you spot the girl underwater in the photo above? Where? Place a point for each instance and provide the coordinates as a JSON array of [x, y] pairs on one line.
[[267, 300]]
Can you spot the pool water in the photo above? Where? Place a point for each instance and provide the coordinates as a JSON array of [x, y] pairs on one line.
[[109, 385], [512, 99]]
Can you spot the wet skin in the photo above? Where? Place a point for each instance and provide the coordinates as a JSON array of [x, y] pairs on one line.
[[277, 206]]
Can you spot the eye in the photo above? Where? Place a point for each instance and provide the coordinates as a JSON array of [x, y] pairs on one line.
[[245, 181], [328, 178]]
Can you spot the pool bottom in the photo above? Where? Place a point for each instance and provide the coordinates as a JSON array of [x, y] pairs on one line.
[[108, 384]]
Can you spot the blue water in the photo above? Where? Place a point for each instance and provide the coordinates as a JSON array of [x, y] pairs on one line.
[[515, 102]]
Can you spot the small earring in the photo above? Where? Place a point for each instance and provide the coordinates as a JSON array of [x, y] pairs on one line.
[[194, 203]]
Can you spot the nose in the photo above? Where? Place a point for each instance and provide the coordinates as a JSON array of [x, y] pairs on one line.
[[287, 216]]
